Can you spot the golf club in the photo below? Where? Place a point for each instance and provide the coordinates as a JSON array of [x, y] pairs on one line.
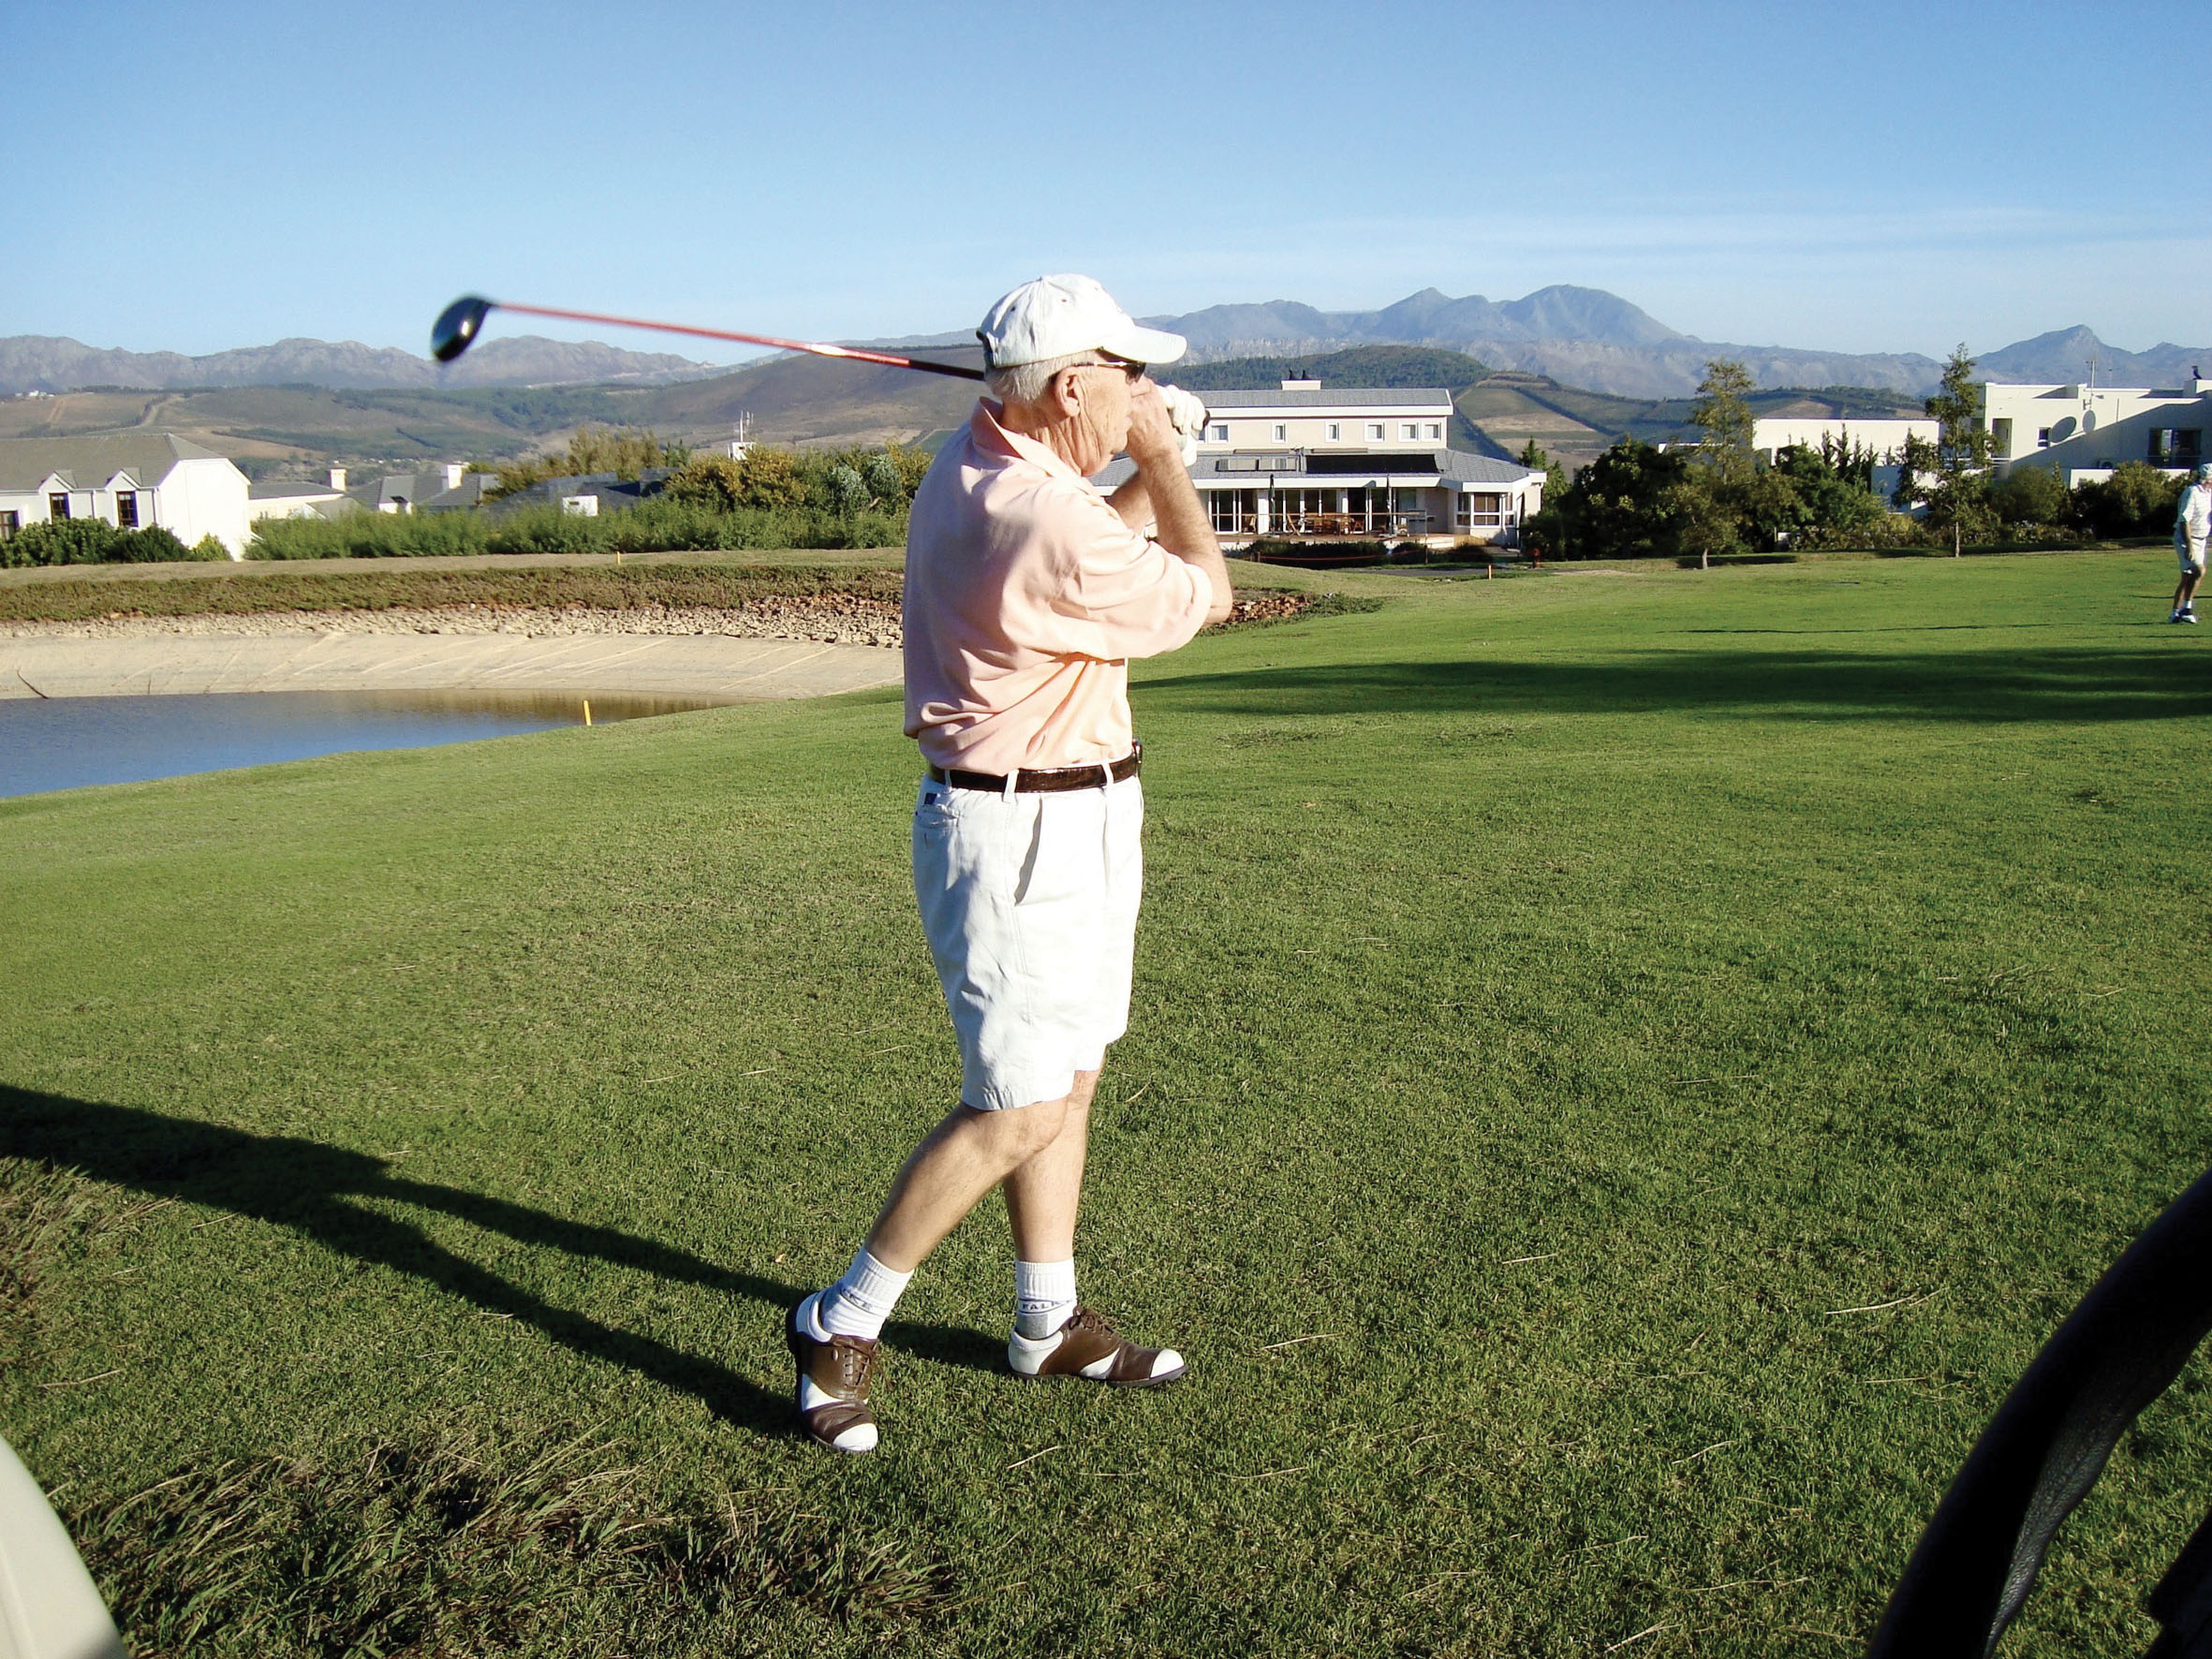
[[458, 325]]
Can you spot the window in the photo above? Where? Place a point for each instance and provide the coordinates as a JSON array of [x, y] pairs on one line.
[[57, 505], [1282, 433], [1218, 432], [1409, 429], [2043, 438], [1376, 430], [10, 522], [2177, 446], [1233, 512], [1436, 429], [1335, 431], [126, 509], [1481, 512]]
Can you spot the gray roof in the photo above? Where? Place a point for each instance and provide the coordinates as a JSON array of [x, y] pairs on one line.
[[1326, 398], [289, 490], [88, 463], [1462, 468], [1345, 468], [422, 490]]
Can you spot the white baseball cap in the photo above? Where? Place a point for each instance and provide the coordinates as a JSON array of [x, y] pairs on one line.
[[1061, 315]]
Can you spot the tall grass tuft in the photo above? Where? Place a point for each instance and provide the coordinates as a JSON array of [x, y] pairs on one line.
[[40, 1205], [436, 1548]]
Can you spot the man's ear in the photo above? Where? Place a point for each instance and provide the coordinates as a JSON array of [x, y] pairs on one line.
[[1067, 394]]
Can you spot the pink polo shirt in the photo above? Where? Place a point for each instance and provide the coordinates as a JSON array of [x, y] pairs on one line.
[[1026, 597]]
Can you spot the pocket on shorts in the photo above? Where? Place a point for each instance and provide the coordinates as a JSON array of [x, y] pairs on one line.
[[933, 814]]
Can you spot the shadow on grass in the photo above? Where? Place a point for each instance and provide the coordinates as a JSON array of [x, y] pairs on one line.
[[323, 1193], [2053, 685]]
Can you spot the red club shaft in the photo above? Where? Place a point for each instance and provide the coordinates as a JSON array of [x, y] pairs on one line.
[[817, 347]]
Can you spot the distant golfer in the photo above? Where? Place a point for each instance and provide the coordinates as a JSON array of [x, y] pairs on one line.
[[1028, 591], [2192, 523]]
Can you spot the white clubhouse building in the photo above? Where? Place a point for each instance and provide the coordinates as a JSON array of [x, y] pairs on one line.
[[2084, 432], [133, 480], [2079, 432], [1362, 462]]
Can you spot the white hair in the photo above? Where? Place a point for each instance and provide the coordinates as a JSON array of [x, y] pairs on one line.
[[1025, 383]]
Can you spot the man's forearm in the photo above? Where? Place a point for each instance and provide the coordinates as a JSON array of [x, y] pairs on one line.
[[1180, 523]]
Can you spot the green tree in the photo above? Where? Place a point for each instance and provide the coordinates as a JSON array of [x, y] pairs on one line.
[[2136, 500], [1723, 414], [2031, 496], [1836, 507], [1554, 476], [1719, 503], [848, 488], [1625, 505], [1951, 476], [624, 452]]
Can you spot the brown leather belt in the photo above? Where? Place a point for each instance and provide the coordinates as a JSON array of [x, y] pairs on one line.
[[1045, 781]]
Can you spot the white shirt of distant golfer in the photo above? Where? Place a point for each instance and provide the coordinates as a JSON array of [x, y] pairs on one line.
[[2192, 523]]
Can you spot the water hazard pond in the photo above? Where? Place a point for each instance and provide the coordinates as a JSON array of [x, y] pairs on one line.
[[67, 742]]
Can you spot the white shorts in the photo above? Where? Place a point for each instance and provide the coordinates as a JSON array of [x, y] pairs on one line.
[[2192, 558], [1029, 903]]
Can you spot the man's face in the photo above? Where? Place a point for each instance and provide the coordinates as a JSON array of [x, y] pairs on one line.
[[1104, 389]]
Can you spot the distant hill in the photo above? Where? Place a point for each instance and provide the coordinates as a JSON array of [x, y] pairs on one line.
[[1358, 365], [2065, 356], [1574, 424], [1572, 336], [1428, 317], [1589, 338], [40, 363], [1572, 368]]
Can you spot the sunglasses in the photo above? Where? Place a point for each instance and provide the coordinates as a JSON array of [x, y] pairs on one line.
[[1135, 372]]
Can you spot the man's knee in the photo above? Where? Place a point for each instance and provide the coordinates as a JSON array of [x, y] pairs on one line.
[[1019, 1133]]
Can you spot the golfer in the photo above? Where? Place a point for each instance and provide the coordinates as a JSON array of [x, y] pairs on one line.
[[2192, 521], [1028, 591]]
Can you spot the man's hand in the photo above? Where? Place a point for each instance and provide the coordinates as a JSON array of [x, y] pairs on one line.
[[1153, 438], [1162, 490]]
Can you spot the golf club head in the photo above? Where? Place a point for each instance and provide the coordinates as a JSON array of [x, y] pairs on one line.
[[456, 327]]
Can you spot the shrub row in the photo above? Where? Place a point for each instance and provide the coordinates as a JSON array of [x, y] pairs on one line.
[[398, 584], [657, 525], [95, 541]]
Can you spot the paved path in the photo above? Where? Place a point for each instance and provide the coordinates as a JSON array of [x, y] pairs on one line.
[[713, 668]]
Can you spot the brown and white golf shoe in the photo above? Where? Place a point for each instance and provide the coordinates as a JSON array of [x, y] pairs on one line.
[[1085, 1345], [833, 1385]]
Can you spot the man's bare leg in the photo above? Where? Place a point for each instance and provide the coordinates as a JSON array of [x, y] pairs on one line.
[[1043, 1195], [1052, 1335], [963, 1158]]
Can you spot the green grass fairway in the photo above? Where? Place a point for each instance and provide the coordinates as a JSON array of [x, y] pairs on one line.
[[1626, 1068]]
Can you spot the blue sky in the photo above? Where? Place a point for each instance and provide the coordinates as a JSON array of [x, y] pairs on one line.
[[1864, 178]]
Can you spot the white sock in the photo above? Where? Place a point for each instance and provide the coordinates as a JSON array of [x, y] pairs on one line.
[[859, 1303], [1044, 1296]]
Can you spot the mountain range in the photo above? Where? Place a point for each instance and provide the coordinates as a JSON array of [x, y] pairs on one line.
[[49, 363], [1589, 338], [1579, 337]]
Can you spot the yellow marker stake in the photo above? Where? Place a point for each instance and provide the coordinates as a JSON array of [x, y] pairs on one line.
[[588, 711]]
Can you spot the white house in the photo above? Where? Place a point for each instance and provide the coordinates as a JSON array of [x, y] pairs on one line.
[[452, 487], [1363, 461], [290, 498], [2086, 430], [1885, 438], [133, 480]]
